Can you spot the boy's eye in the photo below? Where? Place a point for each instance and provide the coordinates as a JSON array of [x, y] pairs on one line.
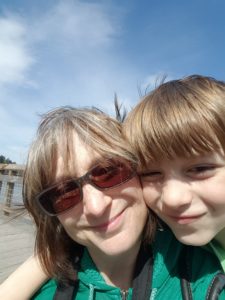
[[201, 171]]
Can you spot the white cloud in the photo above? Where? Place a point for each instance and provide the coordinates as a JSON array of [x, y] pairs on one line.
[[76, 63], [79, 24], [15, 59]]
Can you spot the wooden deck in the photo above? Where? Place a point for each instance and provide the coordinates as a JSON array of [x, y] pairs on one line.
[[16, 242]]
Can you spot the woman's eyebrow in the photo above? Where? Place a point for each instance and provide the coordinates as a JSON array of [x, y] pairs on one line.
[[96, 161], [99, 161], [73, 175]]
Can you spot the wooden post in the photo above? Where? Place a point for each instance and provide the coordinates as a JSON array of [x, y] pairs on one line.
[[8, 195]]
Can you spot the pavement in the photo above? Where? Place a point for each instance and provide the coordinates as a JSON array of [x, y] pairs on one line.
[[16, 242]]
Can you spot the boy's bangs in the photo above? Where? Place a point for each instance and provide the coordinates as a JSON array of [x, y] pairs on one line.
[[180, 118], [166, 136], [172, 141]]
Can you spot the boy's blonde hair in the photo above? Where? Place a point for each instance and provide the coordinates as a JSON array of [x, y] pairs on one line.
[[179, 118]]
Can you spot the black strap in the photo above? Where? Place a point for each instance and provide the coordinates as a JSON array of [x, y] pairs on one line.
[[184, 276], [218, 284], [65, 291], [216, 287], [142, 281], [185, 289]]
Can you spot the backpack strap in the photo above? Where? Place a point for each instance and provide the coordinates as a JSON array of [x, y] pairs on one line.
[[185, 289], [216, 287], [66, 291], [142, 281], [184, 275]]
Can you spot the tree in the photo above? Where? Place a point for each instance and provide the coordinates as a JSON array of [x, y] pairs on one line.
[[4, 160]]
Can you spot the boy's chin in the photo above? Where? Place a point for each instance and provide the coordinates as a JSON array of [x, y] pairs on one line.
[[194, 239]]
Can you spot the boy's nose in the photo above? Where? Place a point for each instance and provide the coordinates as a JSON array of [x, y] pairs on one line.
[[95, 202], [176, 194]]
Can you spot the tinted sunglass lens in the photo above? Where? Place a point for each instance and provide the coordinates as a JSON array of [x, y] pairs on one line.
[[66, 201], [60, 198], [110, 176]]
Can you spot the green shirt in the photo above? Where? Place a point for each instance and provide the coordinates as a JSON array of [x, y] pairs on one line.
[[165, 283], [202, 264], [91, 285], [219, 252]]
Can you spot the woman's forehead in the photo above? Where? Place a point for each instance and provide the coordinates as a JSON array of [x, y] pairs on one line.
[[82, 157]]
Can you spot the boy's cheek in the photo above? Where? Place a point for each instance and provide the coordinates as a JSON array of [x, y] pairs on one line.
[[150, 195]]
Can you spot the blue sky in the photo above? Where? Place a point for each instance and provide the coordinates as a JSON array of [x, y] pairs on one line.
[[80, 53]]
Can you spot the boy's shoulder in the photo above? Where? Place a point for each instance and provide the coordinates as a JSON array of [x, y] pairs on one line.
[[215, 247], [173, 259]]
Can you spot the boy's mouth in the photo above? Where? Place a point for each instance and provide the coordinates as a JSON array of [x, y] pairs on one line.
[[186, 219]]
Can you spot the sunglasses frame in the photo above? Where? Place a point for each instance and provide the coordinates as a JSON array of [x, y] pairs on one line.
[[80, 182]]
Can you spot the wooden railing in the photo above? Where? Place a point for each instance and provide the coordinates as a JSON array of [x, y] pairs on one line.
[[11, 178]]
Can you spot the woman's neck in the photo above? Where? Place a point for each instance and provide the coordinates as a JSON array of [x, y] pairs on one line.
[[117, 270]]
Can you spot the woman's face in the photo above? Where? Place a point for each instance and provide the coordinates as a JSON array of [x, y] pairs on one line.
[[105, 221]]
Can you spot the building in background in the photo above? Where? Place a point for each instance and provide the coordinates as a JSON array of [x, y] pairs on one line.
[[11, 178]]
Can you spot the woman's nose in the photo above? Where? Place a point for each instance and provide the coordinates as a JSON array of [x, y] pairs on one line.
[[95, 202]]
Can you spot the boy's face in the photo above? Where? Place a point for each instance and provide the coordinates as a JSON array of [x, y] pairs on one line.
[[189, 195]]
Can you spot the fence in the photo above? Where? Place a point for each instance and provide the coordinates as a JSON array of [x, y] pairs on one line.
[[11, 177]]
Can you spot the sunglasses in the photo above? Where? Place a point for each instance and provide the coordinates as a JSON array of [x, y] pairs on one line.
[[64, 195]]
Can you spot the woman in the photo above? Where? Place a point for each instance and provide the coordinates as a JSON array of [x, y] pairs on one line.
[[86, 193]]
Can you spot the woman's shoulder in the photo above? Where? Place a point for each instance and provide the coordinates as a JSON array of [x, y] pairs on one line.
[[46, 291]]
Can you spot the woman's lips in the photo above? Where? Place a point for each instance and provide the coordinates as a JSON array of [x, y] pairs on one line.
[[111, 224]]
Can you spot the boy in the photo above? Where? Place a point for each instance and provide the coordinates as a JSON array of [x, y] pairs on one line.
[[178, 134]]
